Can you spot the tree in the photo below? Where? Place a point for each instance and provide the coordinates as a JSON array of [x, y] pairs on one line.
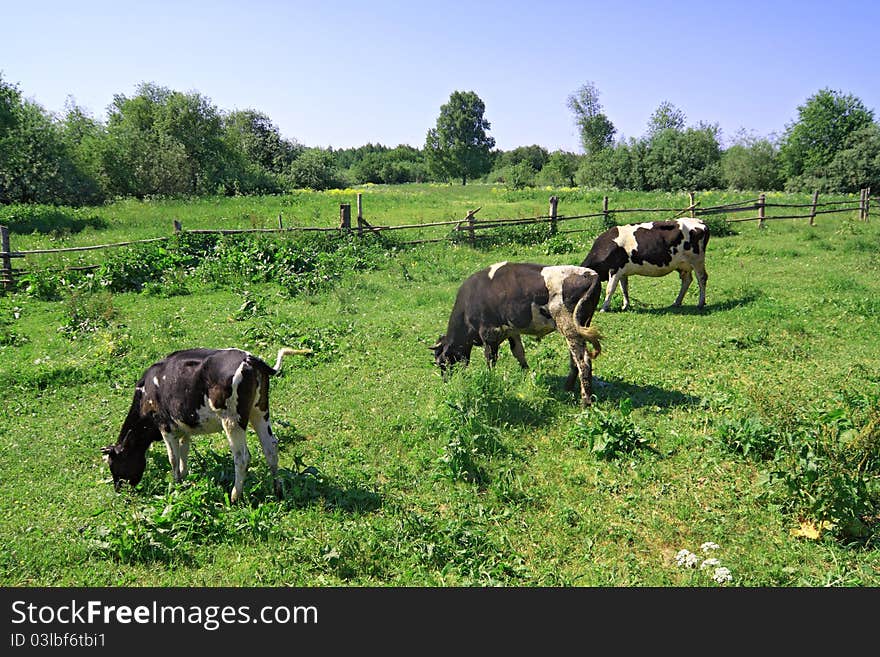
[[666, 117], [458, 147], [36, 164], [686, 160], [254, 135], [824, 124], [560, 169], [751, 163], [596, 130], [314, 169], [857, 165]]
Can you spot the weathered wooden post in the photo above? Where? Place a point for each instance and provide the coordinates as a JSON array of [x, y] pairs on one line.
[[761, 210], [691, 204], [7, 258], [554, 202], [470, 220], [280, 222], [360, 217], [867, 202], [177, 226], [813, 207], [605, 211], [345, 216]]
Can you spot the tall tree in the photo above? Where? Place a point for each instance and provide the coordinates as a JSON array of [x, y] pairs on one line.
[[458, 147], [596, 129], [824, 124], [666, 117]]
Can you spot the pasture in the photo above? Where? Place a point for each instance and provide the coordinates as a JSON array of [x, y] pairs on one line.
[[753, 424]]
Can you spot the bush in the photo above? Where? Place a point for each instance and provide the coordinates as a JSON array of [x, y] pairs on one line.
[[609, 434]]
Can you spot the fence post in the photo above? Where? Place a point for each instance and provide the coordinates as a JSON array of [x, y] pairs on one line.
[[761, 210], [554, 202], [867, 202], [177, 226], [691, 204], [280, 222], [470, 220], [7, 259], [345, 216], [360, 216], [605, 211], [813, 208]]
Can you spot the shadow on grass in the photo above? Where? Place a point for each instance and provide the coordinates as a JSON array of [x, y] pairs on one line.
[[50, 220], [686, 309], [299, 489], [612, 389]]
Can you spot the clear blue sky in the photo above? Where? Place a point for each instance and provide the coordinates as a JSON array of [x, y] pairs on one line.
[[346, 73]]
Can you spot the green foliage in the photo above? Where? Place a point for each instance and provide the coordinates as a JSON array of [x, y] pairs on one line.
[[752, 163], [609, 434], [666, 117], [560, 169], [88, 313], [458, 147], [313, 169], [830, 471], [595, 128], [825, 122], [683, 160], [751, 437]]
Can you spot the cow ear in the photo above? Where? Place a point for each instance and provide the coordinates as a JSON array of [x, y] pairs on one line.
[[438, 344], [106, 450]]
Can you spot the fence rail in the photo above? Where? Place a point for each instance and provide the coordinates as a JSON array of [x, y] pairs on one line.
[[469, 225]]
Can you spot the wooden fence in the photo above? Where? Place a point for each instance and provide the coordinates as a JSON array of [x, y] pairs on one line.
[[468, 228]]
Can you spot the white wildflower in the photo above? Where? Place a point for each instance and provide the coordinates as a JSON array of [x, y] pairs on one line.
[[722, 575], [686, 558], [709, 545], [709, 563]]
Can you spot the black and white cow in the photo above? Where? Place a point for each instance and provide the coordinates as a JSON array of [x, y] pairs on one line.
[[507, 300], [197, 391], [654, 248]]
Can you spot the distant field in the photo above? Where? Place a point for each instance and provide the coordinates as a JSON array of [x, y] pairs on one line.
[[741, 425]]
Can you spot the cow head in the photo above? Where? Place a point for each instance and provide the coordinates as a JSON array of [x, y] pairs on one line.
[[128, 457], [447, 354]]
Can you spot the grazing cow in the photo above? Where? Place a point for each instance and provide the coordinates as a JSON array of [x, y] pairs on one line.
[[197, 391], [655, 248], [508, 299]]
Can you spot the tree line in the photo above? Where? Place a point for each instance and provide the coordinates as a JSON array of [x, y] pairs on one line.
[[161, 142]]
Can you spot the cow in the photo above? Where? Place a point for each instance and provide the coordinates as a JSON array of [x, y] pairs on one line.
[[197, 391], [654, 248], [507, 300]]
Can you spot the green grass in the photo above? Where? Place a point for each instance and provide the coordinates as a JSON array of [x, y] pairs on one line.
[[394, 478]]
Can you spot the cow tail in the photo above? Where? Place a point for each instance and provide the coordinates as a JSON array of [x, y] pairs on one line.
[[590, 333], [287, 351]]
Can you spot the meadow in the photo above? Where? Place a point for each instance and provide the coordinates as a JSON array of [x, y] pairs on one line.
[[747, 433]]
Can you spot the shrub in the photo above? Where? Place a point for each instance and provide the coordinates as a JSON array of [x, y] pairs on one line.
[[609, 434]]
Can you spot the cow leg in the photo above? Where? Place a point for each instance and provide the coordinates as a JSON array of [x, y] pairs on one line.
[[269, 443], [612, 285], [686, 278], [584, 365], [172, 446], [491, 351], [572, 373], [241, 457], [702, 279], [624, 287], [183, 457], [516, 346]]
